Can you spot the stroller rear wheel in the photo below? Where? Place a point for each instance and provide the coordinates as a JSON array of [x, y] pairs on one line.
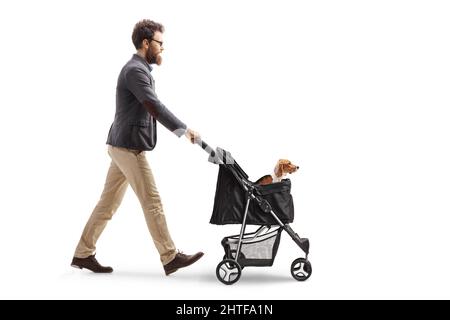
[[301, 269], [228, 271], [232, 255]]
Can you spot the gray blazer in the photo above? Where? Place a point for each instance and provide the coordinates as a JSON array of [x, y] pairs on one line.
[[138, 108]]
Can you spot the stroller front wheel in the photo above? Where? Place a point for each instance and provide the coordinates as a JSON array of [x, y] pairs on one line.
[[301, 269], [228, 271]]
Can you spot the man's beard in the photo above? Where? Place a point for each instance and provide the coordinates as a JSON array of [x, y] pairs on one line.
[[153, 59]]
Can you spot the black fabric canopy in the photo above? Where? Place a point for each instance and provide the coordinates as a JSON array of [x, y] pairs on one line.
[[231, 198]]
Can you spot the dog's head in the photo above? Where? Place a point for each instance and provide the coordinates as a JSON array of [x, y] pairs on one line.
[[284, 167]]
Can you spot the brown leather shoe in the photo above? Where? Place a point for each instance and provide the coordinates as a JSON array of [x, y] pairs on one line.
[[181, 260], [90, 263]]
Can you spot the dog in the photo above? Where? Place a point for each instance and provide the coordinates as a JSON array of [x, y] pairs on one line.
[[282, 168]]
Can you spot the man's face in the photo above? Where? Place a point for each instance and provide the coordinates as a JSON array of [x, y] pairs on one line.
[[155, 48]]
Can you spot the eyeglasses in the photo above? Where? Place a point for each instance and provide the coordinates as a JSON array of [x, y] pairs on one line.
[[159, 42]]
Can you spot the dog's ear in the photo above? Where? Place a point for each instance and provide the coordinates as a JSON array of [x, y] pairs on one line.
[[283, 164], [278, 169]]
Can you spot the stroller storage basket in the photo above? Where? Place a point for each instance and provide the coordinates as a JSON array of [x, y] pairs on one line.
[[230, 200], [256, 250]]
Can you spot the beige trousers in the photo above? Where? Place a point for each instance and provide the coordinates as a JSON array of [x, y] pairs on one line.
[[128, 167]]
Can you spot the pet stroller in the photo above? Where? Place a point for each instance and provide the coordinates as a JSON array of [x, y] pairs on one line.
[[240, 201]]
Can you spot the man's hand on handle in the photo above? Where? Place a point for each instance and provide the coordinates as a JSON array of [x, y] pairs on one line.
[[193, 137]]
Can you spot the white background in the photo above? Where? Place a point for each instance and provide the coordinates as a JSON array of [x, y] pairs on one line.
[[354, 92]]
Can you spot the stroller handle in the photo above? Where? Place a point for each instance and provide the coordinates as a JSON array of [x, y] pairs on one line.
[[206, 147]]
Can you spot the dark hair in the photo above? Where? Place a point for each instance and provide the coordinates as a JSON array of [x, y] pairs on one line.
[[145, 29]]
